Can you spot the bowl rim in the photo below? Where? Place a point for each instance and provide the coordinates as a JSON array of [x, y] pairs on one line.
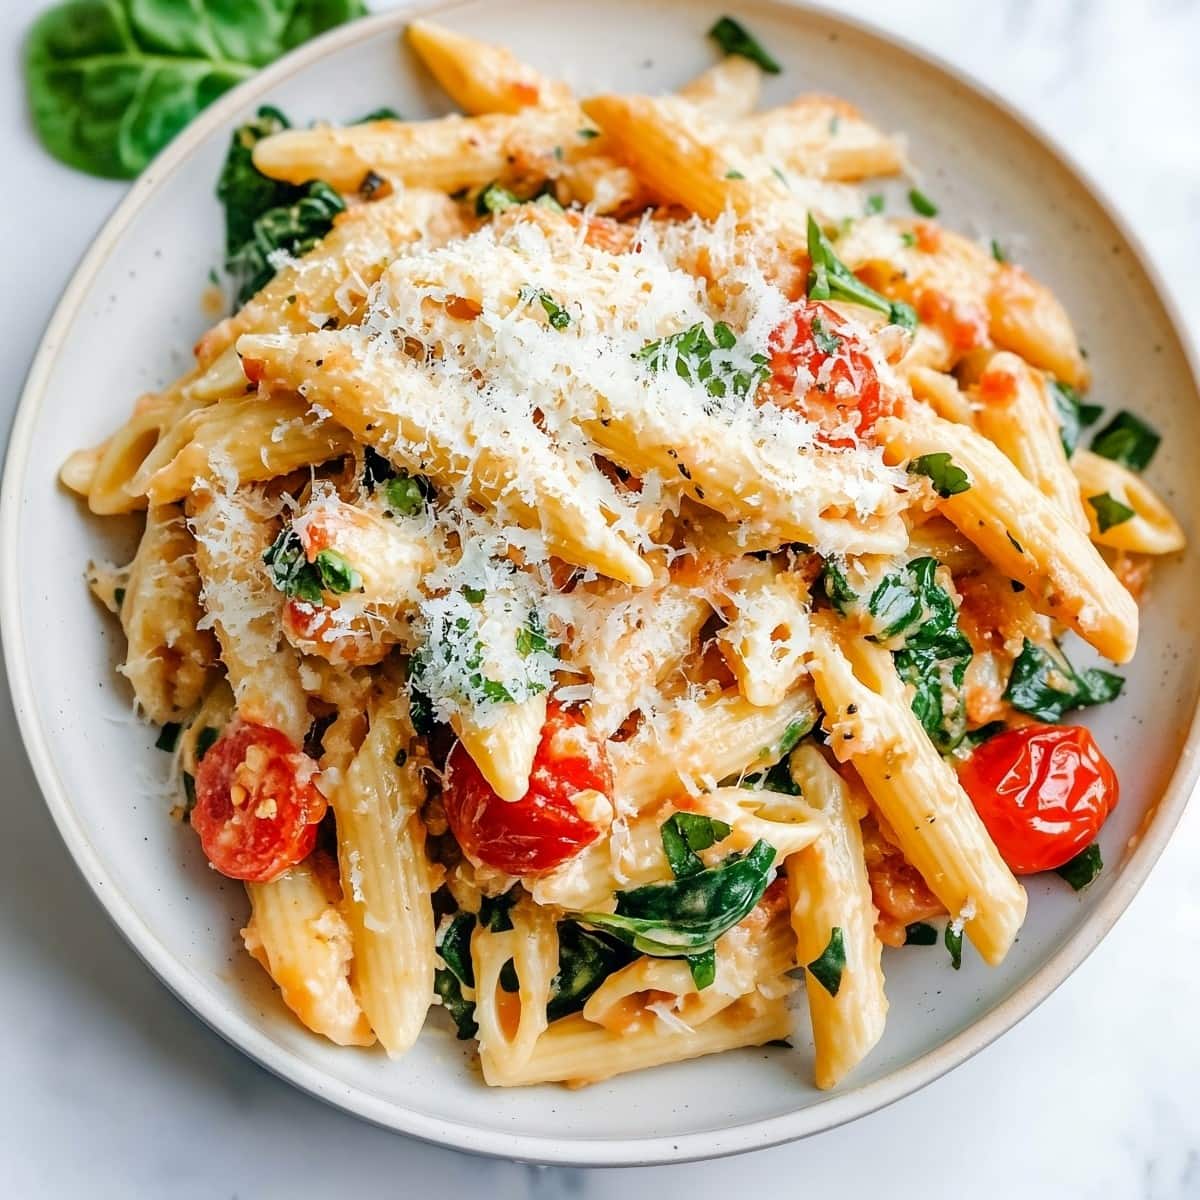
[[839, 1107]]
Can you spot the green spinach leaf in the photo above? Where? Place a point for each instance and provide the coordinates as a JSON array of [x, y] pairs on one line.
[[830, 279], [954, 943], [947, 478], [1128, 440], [683, 834], [1083, 868], [110, 82], [585, 960], [1110, 511], [827, 969], [1046, 686], [1073, 414], [734, 38]]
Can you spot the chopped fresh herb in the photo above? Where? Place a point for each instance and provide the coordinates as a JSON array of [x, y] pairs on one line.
[[683, 835], [404, 494], [558, 316], [461, 1010], [835, 123], [205, 740], [455, 947], [908, 238], [531, 637], [168, 737], [920, 934], [875, 203], [686, 916], [295, 576], [703, 967], [734, 174], [691, 352], [1128, 440], [954, 943], [383, 113], [1073, 415], [494, 199], [1110, 511], [830, 279], [1046, 686], [921, 203], [548, 200], [826, 340], [827, 969], [976, 737], [588, 134], [998, 252], [734, 38], [585, 960], [1083, 868], [947, 478], [473, 595]]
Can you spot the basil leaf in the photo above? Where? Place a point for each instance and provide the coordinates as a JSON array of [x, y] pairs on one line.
[[827, 969], [110, 82], [585, 960], [461, 1010], [920, 934], [384, 113], [243, 190], [830, 279], [734, 38], [683, 834], [1046, 686], [921, 203], [703, 968], [954, 943], [1073, 415], [1128, 440], [1083, 868], [1110, 511], [687, 916], [690, 353], [947, 479]]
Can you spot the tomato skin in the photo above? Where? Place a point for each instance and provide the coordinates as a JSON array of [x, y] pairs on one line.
[[543, 829], [848, 392], [251, 838], [1043, 791]]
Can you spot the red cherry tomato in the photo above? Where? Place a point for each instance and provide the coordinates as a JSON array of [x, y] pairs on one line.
[[1043, 792], [543, 828], [820, 368], [257, 807]]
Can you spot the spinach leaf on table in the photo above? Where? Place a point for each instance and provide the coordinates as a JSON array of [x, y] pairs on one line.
[[110, 82]]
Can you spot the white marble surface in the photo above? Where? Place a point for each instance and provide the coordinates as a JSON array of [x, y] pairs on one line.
[[111, 1088]]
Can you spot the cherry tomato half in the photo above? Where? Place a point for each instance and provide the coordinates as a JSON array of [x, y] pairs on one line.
[[1043, 792], [257, 807], [543, 828], [820, 368]]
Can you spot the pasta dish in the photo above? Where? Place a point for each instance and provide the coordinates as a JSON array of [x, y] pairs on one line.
[[606, 580]]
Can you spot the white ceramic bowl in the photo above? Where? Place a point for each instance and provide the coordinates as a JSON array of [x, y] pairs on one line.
[[125, 325]]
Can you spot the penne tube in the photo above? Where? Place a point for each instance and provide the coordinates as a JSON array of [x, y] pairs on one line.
[[726, 91]]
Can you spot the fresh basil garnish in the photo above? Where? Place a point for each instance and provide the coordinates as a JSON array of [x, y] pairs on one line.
[[837, 589], [947, 478], [954, 943], [684, 834], [830, 279], [1128, 440], [585, 960], [1046, 686], [691, 352], [734, 38], [1073, 414]]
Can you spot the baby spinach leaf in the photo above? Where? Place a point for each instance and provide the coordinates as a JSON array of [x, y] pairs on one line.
[[920, 934], [1073, 415], [1083, 868], [110, 82], [830, 279], [683, 834], [1110, 511], [1046, 686], [456, 947], [687, 916], [947, 478], [827, 969], [921, 203], [243, 190], [837, 590], [734, 38], [703, 967], [494, 911], [1128, 440], [585, 960], [461, 1010]]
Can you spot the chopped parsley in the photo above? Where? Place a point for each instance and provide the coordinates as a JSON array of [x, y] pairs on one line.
[[875, 203], [734, 38], [494, 199], [692, 353], [558, 316], [404, 494], [947, 479], [921, 203], [296, 577], [998, 252], [826, 340], [1110, 511]]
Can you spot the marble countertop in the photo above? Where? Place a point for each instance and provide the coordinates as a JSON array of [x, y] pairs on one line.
[[112, 1089]]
